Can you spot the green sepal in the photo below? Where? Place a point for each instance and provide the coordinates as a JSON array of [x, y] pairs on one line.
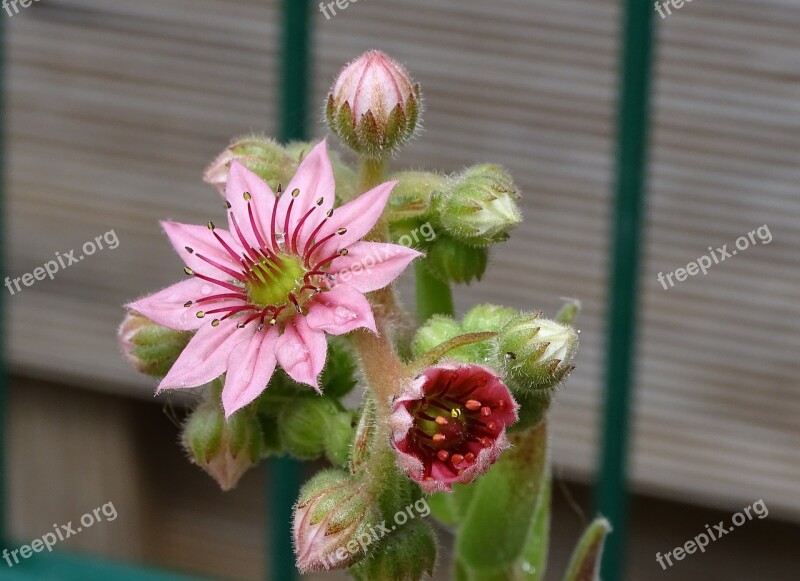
[[585, 562]]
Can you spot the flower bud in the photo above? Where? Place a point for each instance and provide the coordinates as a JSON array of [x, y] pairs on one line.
[[479, 207], [449, 425], [487, 317], [437, 330], [452, 261], [408, 554], [374, 105], [537, 352], [263, 156], [306, 423], [224, 449], [150, 348], [333, 522], [411, 197]]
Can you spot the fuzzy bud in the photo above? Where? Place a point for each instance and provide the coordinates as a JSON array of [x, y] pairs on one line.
[[437, 330], [411, 197], [308, 422], [224, 449], [150, 348], [333, 522], [479, 207], [374, 106], [452, 261], [487, 318], [263, 156], [537, 352], [408, 554]]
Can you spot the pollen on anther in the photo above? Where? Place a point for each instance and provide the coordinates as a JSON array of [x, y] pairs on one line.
[[247, 197], [319, 202], [189, 249], [443, 455], [273, 321], [240, 326], [473, 405], [341, 231], [211, 226], [457, 459], [280, 188], [200, 314], [188, 271], [469, 457], [344, 252], [329, 213], [441, 420], [439, 438], [215, 323], [295, 193], [188, 304]]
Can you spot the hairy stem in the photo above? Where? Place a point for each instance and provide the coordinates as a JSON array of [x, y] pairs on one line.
[[434, 297]]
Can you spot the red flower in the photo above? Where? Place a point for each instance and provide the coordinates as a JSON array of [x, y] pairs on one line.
[[449, 424]]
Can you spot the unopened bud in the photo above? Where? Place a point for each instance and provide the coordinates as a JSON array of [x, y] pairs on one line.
[[536, 352], [374, 105], [224, 449], [333, 522], [411, 197], [263, 156], [487, 318], [450, 260], [306, 423], [149, 347], [479, 207], [437, 330], [409, 554]]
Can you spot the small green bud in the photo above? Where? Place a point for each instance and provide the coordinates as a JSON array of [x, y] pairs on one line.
[[339, 376], [452, 261], [306, 423], [340, 432], [487, 318], [333, 522], [150, 348], [437, 330], [569, 311], [479, 207], [261, 155], [411, 197], [536, 352], [407, 554], [225, 450]]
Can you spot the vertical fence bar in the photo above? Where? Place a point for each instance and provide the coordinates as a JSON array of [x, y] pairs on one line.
[[627, 236], [295, 74], [3, 376]]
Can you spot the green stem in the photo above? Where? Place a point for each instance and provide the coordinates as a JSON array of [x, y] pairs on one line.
[[434, 297], [371, 173]]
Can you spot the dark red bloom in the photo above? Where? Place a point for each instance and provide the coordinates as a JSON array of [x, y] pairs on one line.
[[449, 424]]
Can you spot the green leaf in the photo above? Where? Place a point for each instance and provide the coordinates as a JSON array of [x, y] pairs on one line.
[[534, 558], [495, 530], [585, 562]]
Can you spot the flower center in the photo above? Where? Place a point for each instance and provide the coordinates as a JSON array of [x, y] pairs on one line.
[[273, 282]]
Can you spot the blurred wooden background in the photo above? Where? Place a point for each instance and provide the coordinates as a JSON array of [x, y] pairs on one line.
[[115, 108]]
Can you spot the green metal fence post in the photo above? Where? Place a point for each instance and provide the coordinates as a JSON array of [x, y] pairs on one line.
[[3, 376], [631, 166], [294, 108]]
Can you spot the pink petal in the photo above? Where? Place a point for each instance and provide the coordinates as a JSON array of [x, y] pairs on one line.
[[206, 356], [202, 242], [370, 266], [301, 351], [167, 308], [249, 370], [340, 310], [262, 199], [357, 216], [314, 179]]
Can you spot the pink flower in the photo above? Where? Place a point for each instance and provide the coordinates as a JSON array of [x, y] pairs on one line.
[[449, 424], [267, 290]]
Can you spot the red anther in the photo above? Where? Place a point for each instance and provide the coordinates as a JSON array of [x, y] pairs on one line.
[[473, 405]]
